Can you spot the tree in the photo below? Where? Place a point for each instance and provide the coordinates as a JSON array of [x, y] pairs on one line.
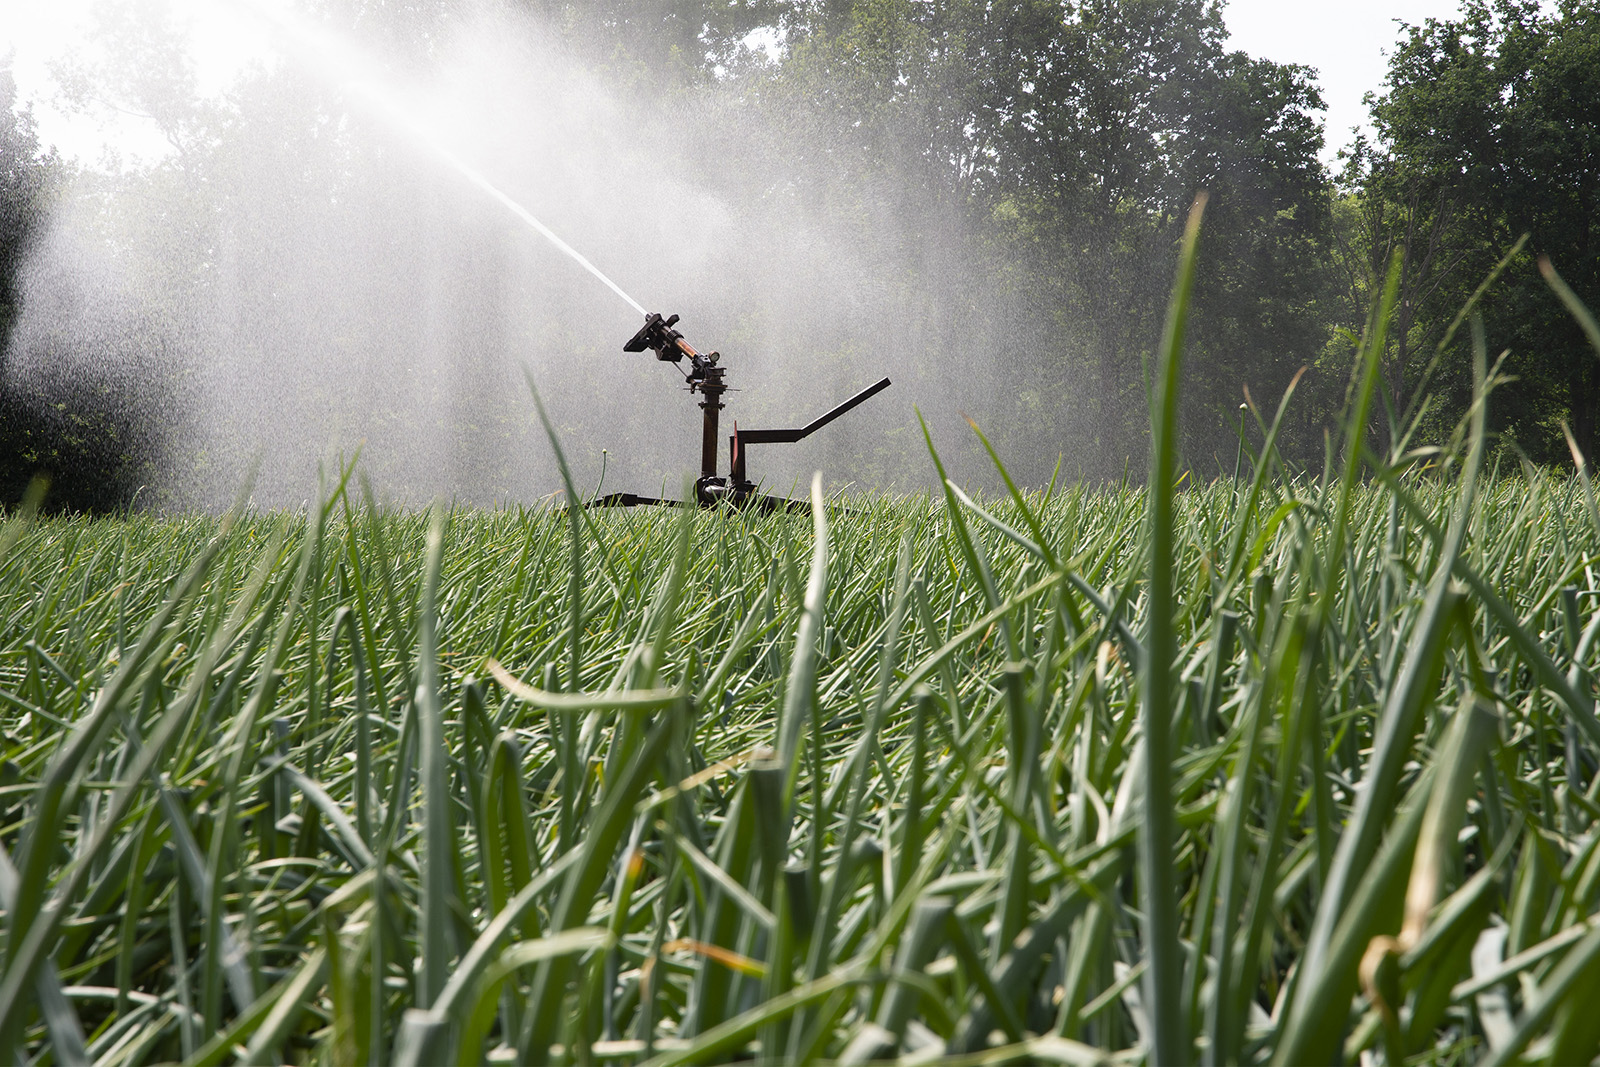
[[1074, 137], [88, 431], [1261, 277], [1489, 128], [659, 44], [24, 180], [25, 173], [1004, 182]]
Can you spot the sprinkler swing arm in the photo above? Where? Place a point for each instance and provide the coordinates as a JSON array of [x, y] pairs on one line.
[[709, 379]]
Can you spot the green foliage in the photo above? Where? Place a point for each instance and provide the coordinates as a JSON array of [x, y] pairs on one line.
[[1487, 132], [1070, 140], [660, 45], [87, 436], [24, 182], [92, 442], [88, 432], [1026, 167]]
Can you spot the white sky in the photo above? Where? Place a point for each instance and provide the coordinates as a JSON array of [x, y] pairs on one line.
[[1344, 40], [225, 36]]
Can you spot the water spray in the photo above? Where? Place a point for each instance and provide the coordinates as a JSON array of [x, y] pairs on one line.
[[705, 376], [398, 116], [316, 40]]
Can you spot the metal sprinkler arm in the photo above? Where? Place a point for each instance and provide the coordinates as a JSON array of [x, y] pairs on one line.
[[740, 438], [706, 378]]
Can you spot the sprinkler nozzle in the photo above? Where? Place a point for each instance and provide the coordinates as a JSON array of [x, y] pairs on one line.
[[657, 334]]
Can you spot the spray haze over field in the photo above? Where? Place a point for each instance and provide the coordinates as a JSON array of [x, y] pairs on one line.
[[316, 276]]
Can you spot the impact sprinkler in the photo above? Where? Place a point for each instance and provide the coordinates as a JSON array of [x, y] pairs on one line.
[[708, 379]]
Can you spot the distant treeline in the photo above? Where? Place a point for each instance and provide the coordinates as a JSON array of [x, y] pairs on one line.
[[1067, 140]]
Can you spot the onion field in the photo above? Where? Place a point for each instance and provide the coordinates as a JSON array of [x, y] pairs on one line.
[[1281, 768], [861, 791]]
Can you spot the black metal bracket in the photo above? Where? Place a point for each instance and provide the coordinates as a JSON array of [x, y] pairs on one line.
[[741, 438]]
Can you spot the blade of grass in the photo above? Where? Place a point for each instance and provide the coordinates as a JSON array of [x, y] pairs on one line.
[[1158, 895]]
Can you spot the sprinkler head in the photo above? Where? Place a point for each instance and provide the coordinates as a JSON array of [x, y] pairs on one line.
[[657, 334]]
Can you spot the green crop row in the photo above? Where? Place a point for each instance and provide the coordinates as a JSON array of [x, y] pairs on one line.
[[1280, 769]]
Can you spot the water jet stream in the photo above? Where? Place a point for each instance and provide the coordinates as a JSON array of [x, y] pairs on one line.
[[336, 59]]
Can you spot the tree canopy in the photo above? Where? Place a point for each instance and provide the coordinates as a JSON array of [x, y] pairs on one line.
[[1488, 129], [24, 176], [90, 435]]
